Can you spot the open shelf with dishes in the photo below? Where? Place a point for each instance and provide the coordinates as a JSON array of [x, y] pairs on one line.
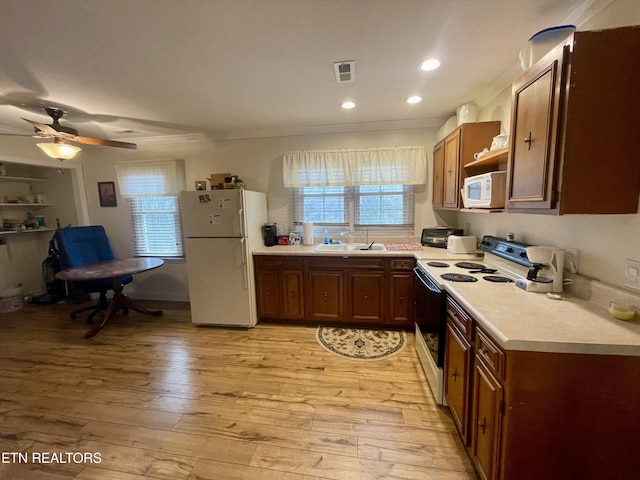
[[491, 160]]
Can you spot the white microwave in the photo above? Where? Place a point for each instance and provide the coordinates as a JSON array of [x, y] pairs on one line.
[[485, 191]]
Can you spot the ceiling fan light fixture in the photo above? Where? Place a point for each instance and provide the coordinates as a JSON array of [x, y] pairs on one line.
[[61, 151], [430, 64]]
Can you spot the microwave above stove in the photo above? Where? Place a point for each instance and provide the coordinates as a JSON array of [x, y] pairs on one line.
[[485, 191], [438, 236]]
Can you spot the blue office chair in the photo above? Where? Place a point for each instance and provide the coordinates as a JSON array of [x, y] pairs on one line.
[[79, 246]]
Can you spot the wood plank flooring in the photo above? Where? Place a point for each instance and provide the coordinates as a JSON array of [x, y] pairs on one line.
[[160, 398]]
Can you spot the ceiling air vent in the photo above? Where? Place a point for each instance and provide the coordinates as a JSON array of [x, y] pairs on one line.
[[345, 71]]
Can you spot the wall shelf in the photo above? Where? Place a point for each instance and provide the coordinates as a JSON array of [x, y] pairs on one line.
[[482, 210], [491, 159], [32, 205], [7, 178], [28, 230]]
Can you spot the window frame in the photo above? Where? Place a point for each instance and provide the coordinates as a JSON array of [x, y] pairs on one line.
[[352, 195]]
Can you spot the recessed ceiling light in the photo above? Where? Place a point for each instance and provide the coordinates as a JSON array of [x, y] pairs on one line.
[[348, 105], [414, 99], [430, 64]]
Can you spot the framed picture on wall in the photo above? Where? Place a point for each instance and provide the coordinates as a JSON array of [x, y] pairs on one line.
[[107, 194]]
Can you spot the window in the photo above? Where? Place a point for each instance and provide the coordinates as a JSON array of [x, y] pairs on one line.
[[360, 188], [156, 226], [152, 189], [378, 208]]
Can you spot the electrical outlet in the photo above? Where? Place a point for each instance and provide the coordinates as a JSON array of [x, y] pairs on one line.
[[571, 259], [633, 274]]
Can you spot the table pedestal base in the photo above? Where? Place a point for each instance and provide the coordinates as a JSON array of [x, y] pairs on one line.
[[119, 301]]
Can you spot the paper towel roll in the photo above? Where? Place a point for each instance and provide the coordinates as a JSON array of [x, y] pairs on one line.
[[307, 233]]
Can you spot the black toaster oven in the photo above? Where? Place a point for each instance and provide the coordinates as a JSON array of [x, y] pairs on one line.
[[437, 236]]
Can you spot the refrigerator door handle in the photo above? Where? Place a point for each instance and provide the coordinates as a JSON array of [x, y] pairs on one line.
[[245, 270], [241, 215]]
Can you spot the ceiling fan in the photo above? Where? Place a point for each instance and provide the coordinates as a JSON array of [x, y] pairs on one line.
[[57, 131], [64, 136]]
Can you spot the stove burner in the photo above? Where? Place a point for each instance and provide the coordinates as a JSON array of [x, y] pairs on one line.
[[497, 279], [438, 264], [458, 277], [469, 265]]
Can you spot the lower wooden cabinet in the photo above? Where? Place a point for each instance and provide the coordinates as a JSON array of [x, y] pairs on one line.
[[292, 282], [401, 291], [342, 289], [531, 415], [486, 421], [457, 371], [280, 287], [365, 296], [324, 295]]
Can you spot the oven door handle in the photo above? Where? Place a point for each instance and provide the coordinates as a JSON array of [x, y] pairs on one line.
[[426, 283]]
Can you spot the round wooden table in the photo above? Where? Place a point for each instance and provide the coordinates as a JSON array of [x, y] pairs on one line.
[[116, 270]]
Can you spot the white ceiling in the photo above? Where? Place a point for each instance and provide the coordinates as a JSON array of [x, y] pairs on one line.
[[246, 68]]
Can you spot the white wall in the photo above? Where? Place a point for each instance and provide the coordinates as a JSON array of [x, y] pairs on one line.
[[605, 241], [257, 161]]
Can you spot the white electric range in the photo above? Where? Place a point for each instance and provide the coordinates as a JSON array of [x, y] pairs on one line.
[[504, 262]]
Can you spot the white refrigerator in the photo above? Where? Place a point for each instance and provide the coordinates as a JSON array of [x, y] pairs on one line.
[[221, 228]]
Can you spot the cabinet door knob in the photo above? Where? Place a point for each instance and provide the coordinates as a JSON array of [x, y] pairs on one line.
[[528, 141], [483, 425]]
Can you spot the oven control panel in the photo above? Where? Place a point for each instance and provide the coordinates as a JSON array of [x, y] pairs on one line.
[[513, 251]]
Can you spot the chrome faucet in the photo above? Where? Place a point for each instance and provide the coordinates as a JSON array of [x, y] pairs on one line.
[[347, 236]]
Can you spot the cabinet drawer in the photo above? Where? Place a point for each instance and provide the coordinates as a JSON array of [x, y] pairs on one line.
[[459, 317], [401, 263], [345, 262], [490, 354], [268, 261]]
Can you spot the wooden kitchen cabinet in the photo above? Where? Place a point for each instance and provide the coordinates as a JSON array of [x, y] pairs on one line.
[[401, 291], [279, 287], [573, 141], [438, 177], [365, 296], [457, 371], [487, 407], [453, 153], [336, 289], [325, 296], [534, 415]]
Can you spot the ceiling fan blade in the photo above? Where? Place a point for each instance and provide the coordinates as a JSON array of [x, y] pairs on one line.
[[104, 142], [43, 127]]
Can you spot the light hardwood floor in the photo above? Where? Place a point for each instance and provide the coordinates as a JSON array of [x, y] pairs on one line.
[[157, 397]]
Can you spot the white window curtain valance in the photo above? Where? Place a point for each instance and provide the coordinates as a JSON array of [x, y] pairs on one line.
[[150, 178], [364, 166]]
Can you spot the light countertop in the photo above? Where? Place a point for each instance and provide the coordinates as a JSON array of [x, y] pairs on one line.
[[520, 320], [426, 253]]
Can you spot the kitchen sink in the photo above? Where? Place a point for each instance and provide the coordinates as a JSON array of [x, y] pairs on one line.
[[341, 247]]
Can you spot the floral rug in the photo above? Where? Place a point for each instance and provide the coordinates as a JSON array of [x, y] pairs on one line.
[[360, 343]]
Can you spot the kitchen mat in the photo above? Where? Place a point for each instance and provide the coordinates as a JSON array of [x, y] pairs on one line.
[[361, 343]]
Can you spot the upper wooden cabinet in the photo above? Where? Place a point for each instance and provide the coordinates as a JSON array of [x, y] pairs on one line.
[[574, 146], [452, 154], [438, 169]]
